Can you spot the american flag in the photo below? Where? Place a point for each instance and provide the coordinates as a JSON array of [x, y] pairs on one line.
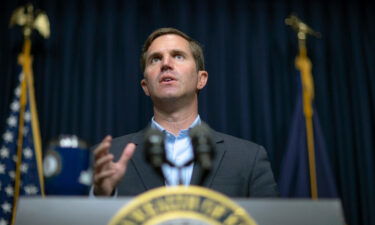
[[29, 183]]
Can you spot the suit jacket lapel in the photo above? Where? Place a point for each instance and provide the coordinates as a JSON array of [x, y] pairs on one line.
[[219, 154], [149, 176]]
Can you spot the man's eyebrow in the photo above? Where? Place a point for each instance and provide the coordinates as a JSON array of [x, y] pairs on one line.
[[173, 51], [153, 55], [178, 51]]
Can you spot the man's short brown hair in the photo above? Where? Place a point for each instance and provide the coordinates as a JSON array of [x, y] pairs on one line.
[[195, 47]]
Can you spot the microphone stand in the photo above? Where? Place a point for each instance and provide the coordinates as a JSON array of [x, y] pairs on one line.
[[179, 168]]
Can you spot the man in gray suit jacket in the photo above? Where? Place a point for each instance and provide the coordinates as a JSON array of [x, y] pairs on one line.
[[173, 66]]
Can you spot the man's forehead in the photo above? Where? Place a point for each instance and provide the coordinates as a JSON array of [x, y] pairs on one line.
[[168, 42]]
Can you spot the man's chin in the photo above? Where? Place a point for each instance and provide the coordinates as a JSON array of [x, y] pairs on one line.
[[167, 98], [168, 94]]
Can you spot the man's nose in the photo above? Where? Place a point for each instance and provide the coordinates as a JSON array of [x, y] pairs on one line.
[[166, 63]]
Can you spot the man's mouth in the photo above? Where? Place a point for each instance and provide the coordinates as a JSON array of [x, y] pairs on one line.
[[167, 79]]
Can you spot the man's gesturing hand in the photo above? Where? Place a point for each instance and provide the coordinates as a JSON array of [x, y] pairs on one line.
[[107, 173]]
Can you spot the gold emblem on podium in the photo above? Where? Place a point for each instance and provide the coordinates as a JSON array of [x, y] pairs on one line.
[[181, 205]]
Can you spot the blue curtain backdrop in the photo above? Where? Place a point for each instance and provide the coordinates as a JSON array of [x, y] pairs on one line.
[[87, 74]]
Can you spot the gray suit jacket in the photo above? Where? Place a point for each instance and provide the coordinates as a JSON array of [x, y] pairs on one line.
[[240, 169]]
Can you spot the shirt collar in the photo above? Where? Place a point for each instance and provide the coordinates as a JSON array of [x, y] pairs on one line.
[[154, 124]]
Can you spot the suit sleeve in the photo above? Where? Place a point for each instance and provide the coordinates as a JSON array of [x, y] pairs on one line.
[[262, 182]]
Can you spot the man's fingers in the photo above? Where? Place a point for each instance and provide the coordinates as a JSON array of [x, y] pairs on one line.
[[103, 161], [107, 138], [98, 178], [127, 153], [103, 147]]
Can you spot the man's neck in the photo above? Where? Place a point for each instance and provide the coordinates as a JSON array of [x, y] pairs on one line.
[[176, 121]]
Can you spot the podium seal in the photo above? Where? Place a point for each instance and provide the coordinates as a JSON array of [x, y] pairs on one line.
[[181, 205]]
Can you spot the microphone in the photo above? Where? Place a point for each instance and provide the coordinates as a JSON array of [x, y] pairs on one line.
[[154, 147], [202, 145]]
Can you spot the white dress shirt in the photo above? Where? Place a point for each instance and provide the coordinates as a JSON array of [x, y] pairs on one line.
[[178, 150]]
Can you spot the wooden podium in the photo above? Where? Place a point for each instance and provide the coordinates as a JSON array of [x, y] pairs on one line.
[[85, 210]]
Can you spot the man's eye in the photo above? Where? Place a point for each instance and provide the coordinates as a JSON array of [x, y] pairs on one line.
[[155, 60], [179, 57]]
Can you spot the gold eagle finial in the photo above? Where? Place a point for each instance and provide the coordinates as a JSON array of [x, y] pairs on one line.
[[26, 17], [300, 27]]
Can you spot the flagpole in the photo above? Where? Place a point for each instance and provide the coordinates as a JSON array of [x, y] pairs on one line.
[[29, 19], [25, 60], [36, 131], [303, 64]]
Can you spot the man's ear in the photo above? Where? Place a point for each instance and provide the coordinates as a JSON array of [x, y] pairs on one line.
[[144, 86], [202, 79]]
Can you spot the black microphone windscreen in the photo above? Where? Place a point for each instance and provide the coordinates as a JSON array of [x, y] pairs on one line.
[[202, 145], [154, 147]]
